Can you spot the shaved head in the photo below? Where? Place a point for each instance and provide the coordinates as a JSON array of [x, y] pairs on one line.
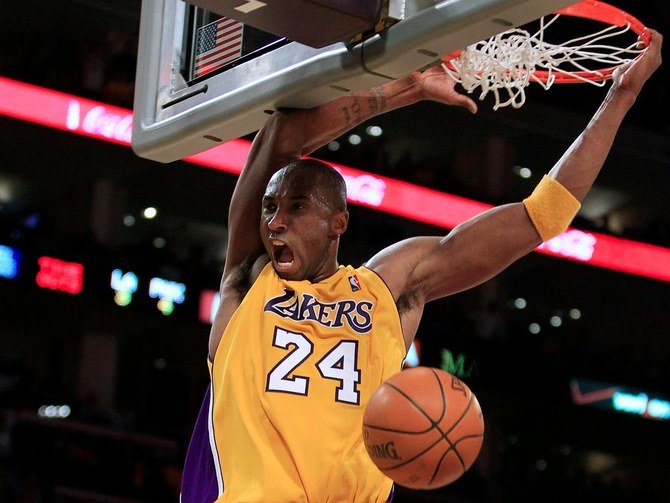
[[303, 215], [324, 180]]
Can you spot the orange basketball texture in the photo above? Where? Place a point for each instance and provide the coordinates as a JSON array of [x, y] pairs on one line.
[[423, 428]]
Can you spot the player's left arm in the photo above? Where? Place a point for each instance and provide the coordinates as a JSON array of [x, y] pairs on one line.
[[428, 268]]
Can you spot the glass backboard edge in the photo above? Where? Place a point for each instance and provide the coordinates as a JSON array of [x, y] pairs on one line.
[[234, 103]]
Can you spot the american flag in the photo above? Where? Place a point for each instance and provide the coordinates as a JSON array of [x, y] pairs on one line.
[[217, 44]]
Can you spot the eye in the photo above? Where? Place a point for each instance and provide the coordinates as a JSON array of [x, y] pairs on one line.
[[298, 206], [269, 207]]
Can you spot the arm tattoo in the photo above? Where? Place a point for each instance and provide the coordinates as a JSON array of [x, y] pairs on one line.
[[376, 104], [347, 117], [372, 102], [376, 100], [356, 108]]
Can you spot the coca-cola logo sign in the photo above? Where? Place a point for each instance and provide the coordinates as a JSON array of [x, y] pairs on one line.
[[365, 189], [100, 121], [573, 243]]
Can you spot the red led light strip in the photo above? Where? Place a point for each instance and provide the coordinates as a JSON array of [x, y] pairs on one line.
[[109, 123]]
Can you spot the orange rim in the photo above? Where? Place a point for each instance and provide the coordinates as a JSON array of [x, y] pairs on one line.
[[595, 11]]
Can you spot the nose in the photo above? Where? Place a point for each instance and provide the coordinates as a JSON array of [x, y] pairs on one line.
[[278, 222]]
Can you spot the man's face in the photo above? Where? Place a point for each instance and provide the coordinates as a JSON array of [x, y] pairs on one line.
[[296, 225]]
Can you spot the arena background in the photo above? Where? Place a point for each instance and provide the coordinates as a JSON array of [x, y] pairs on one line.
[[128, 380]]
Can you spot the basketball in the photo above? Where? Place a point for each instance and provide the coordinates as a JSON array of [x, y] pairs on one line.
[[423, 428]]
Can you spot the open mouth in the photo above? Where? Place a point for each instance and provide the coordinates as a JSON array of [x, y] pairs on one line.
[[282, 254]]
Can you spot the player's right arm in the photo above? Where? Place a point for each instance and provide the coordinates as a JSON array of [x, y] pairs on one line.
[[287, 136]]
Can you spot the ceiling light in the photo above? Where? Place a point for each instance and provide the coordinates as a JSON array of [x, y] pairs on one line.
[[354, 139], [150, 212], [374, 131], [523, 171], [5, 192]]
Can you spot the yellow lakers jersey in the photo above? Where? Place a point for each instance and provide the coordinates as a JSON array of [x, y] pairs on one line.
[[291, 377]]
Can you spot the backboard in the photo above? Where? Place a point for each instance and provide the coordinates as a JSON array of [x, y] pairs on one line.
[[179, 111]]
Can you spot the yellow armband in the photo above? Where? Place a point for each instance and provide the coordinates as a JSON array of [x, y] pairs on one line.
[[551, 208]]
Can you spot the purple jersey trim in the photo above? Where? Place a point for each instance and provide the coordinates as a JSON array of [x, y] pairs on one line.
[[199, 481]]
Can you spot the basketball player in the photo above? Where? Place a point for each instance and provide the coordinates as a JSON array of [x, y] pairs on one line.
[[300, 342]]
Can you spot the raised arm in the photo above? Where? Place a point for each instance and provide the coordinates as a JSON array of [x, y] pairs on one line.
[[579, 166], [291, 134], [422, 269]]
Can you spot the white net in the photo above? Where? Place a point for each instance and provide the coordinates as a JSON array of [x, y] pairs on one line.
[[505, 64]]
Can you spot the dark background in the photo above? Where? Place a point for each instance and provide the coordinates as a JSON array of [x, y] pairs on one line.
[[134, 378]]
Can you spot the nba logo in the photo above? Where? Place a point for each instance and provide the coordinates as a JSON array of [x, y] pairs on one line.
[[355, 285]]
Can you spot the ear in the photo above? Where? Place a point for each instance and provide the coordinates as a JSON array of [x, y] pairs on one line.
[[339, 222]]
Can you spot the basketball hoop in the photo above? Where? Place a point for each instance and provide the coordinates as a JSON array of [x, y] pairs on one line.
[[511, 60]]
